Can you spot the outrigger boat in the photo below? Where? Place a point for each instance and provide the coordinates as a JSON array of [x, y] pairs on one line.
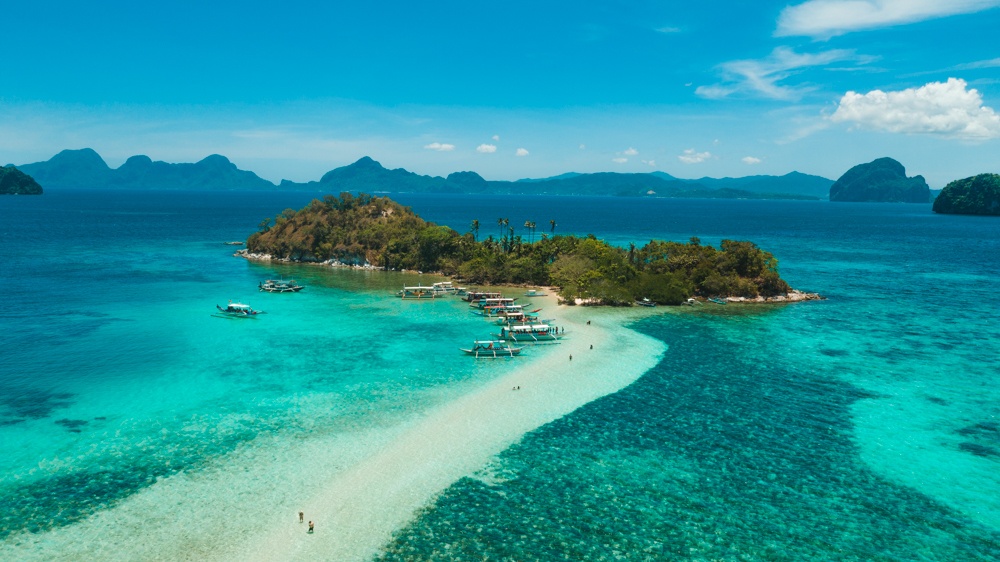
[[280, 286], [476, 296], [446, 287], [418, 292], [645, 302], [529, 333], [238, 310], [717, 300], [535, 293], [504, 310], [492, 302], [491, 349]]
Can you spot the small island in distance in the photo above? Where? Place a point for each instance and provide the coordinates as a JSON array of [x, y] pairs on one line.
[[373, 230], [880, 181]]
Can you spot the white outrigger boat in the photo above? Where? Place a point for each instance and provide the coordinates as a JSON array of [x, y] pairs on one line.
[[476, 296], [535, 293], [529, 333], [237, 310], [493, 302], [492, 349], [279, 286], [418, 292], [448, 288]]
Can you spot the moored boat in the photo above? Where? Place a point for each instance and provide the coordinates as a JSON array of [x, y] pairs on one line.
[[535, 293], [476, 296], [418, 292], [717, 300], [238, 310], [529, 333], [645, 302], [279, 286], [491, 349]]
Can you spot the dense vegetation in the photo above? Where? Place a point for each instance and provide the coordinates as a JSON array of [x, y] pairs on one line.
[[883, 180], [381, 232], [16, 182], [978, 195]]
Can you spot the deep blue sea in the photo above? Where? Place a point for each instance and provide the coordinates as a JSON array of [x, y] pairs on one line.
[[862, 427]]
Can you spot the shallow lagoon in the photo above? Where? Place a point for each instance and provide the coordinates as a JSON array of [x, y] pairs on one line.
[[862, 426]]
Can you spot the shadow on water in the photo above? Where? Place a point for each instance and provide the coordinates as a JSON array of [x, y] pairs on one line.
[[714, 454]]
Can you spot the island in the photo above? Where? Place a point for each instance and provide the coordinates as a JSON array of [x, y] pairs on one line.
[[372, 231], [978, 195], [883, 180], [85, 169], [16, 182]]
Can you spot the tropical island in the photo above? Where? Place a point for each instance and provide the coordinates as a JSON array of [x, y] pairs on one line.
[[881, 181], [382, 233], [16, 182], [978, 195]]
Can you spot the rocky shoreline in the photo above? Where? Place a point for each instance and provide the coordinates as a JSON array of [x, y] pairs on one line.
[[792, 296]]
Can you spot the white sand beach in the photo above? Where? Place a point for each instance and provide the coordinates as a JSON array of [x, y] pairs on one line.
[[361, 486]]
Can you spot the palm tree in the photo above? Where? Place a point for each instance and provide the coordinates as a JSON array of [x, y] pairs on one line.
[[530, 225], [500, 224], [553, 223], [475, 229]]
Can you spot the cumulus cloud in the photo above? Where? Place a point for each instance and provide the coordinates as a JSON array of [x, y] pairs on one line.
[[439, 146], [690, 156], [486, 148], [826, 18], [630, 151], [496, 138], [762, 77], [946, 109], [522, 152], [750, 160], [619, 160]]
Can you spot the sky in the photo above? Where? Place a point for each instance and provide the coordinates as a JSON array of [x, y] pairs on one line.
[[509, 89]]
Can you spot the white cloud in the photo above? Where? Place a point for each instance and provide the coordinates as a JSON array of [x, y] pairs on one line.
[[827, 18], [668, 29], [439, 147], [761, 77], [750, 160], [992, 63], [496, 138], [649, 162], [947, 109], [630, 151], [619, 160], [583, 147], [486, 148], [690, 156], [522, 152]]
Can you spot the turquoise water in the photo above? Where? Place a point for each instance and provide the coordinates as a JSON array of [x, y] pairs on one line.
[[862, 427]]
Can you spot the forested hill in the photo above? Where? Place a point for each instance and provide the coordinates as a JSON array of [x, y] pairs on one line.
[[978, 195], [380, 232], [883, 180], [16, 182]]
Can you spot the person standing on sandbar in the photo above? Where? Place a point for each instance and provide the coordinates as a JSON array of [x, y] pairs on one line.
[[301, 517], [310, 527]]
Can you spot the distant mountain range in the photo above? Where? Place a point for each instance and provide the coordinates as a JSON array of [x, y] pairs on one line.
[[86, 169]]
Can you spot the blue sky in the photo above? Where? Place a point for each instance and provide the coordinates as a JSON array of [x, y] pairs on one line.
[[510, 90]]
